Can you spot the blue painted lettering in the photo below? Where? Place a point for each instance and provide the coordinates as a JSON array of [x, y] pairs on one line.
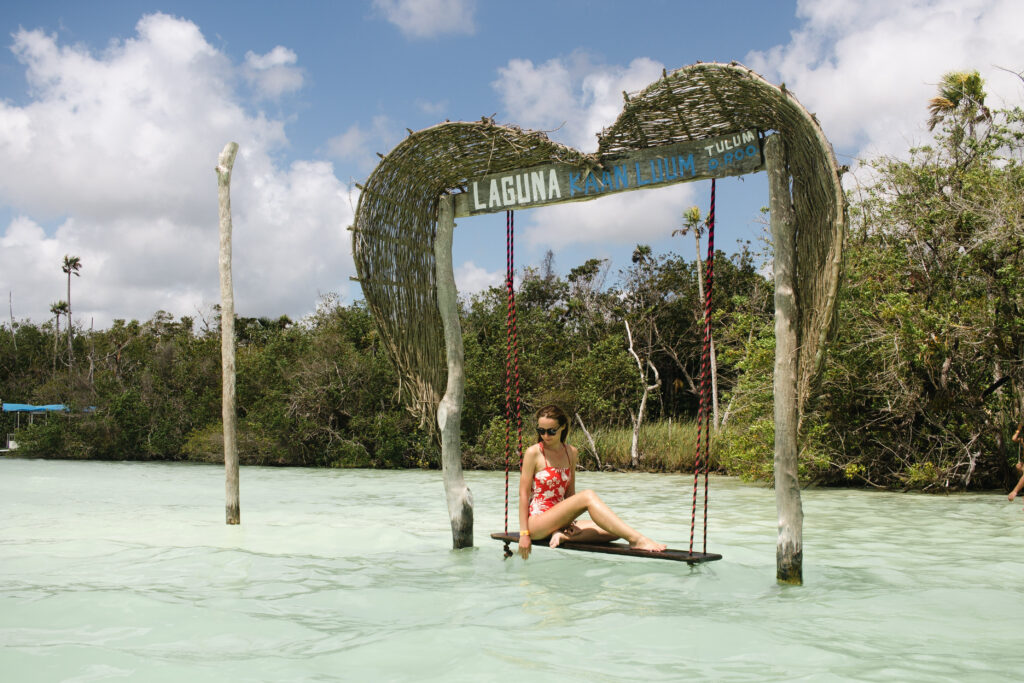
[[639, 178], [656, 176], [621, 179], [671, 171], [573, 187], [591, 184], [686, 163]]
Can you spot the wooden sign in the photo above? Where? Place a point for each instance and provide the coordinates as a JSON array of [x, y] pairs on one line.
[[682, 162]]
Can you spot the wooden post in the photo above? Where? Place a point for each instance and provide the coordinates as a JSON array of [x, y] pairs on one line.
[[225, 162], [789, 548], [449, 411]]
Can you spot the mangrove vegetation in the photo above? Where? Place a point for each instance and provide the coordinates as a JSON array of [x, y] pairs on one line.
[[923, 385]]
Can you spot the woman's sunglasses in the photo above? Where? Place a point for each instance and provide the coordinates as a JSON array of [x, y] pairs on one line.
[[550, 432]]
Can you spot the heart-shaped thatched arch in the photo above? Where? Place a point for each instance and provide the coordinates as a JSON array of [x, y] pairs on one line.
[[396, 217], [397, 221]]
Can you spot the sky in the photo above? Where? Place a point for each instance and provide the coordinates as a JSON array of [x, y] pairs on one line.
[[113, 114]]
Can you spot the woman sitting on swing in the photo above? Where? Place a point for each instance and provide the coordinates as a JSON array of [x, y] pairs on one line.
[[548, 502]]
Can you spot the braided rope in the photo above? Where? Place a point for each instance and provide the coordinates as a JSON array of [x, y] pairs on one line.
[[696, 464], [709, 285], [703, 450], [508, 367], [513, 404], [515, 343]]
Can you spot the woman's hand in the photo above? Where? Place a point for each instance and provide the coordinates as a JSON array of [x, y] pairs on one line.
[[564, 534], [524, 546]]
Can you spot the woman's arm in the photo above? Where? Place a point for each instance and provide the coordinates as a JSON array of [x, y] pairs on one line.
[[525, 492], [1016, 434]]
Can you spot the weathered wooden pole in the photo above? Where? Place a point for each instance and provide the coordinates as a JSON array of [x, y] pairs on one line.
[[789, 547], [225, 163], [449, 411]]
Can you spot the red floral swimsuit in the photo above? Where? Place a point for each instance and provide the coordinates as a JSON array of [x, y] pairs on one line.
[[549, 486]]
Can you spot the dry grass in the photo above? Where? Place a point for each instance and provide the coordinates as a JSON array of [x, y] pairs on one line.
[[666, 446]]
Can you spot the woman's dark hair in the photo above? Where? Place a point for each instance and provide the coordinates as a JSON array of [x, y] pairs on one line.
[[553, 412]]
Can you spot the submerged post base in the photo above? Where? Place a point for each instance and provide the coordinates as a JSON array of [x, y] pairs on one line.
[[462, 524], [789, 569]]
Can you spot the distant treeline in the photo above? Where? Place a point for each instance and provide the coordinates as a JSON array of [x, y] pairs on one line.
[[923, 385], [322, 391]]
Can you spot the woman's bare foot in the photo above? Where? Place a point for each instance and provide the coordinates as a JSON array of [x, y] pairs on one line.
[[644, 543], [558, 538]]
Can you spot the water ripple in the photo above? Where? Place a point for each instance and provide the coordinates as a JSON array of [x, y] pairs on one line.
[[125, 570]]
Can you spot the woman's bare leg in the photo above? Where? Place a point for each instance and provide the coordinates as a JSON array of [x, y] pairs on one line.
[[584, 532], [587, 501]]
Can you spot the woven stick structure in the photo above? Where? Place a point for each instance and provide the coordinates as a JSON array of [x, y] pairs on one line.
[[394, 230], [396, 217]]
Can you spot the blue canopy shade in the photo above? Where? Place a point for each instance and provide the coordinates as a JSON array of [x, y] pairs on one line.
[[28, 408]]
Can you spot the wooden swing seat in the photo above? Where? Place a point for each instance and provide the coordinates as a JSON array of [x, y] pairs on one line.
[[617, 548]]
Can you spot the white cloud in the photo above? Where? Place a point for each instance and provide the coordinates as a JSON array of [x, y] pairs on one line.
[[539, 97], [573, 95], [274, 73], [575, 99], [623, 219], [353, 144], [291, 226], [30, 268], [117, 150], [429, 18], [432, 108], [361, 145], [868, 69], [471, 278]]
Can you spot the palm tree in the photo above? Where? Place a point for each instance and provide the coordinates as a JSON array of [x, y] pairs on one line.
[[72, 264], [692, 222], [58, 309], [960, 92]]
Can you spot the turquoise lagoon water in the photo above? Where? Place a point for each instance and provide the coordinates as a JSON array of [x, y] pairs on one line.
[[126, 571]]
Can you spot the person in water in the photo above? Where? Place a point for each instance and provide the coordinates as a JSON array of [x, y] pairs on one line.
[[548, 501], [1020, 468]]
